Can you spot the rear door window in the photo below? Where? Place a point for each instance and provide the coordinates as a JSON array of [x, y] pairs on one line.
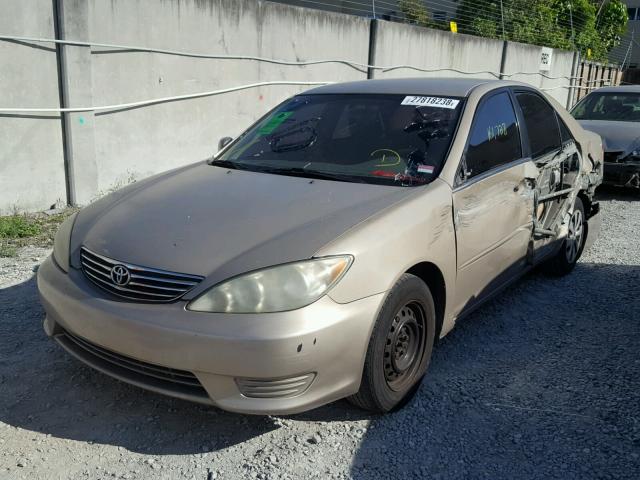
[[541, 123], [494, 138]]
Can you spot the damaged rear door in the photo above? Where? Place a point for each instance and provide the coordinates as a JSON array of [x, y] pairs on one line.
[[492, 201], [556, 177]]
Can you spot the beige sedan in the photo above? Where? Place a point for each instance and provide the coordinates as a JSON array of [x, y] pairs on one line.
[[322, 253]]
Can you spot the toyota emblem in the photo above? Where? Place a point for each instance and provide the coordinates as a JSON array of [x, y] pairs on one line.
[[120, 275]]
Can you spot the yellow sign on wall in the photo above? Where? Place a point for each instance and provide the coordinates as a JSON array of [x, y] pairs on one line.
[[454, 27]]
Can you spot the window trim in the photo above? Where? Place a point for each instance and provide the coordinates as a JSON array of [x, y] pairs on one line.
[[489, 173], [460, 180], [560, 123]]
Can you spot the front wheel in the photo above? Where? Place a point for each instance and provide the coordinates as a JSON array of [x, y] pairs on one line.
[[400, 347], [567, 257]]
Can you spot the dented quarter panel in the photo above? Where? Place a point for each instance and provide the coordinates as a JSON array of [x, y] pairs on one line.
[[419, 229]]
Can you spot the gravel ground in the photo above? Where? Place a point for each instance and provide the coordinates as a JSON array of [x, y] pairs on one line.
[[540, 383]]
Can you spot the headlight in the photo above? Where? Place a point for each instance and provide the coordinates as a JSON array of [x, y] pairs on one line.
[[275, 289], [62, 241]]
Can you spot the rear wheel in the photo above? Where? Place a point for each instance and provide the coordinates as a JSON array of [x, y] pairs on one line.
[[567, 257], [400, 347]]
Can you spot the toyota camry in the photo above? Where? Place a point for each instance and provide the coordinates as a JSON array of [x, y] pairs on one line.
[[323, 252]]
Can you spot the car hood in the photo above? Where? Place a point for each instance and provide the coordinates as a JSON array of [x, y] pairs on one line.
[[215, 222], [616, 136]]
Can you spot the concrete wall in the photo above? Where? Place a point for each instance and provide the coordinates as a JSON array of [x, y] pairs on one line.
[[31, 158], [526, 58], [400, 44], [108, 149], [139, 142]]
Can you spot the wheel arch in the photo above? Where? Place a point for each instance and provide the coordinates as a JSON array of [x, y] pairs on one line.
[[430, 274]]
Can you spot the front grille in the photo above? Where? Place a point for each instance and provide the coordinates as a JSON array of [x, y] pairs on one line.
[[180, 383], [144, 284], [612, 157], [275, 387]]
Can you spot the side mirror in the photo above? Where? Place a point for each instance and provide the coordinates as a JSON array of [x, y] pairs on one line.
[[224, 141]]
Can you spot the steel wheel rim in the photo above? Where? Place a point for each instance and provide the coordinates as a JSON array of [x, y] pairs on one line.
[[404, 346], [574, 237]]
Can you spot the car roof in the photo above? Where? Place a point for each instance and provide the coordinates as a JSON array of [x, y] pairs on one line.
[[619, 89], [448, 87]]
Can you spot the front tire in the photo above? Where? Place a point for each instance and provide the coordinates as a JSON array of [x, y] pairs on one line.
[[400, 347], [567, 257]]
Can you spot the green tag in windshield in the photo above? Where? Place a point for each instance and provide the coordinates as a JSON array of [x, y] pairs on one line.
[[273, 123]]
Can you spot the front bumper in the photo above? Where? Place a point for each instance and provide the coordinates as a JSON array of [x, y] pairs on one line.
[[622, 174], [325, 343]]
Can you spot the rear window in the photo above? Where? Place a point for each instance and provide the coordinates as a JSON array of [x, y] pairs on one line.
[[398, 140]]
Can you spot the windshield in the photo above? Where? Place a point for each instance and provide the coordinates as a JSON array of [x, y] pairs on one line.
[[389, 139], [621, 107]]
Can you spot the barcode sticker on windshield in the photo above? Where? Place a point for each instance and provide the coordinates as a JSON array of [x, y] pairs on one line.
[[437, 102]]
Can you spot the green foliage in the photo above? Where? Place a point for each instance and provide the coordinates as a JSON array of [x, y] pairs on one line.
[[548, 22], [13, 228], [16, 231], [18, 226], [535, 22], [485, 28], [612, 23], [415, 12], [584, 35]]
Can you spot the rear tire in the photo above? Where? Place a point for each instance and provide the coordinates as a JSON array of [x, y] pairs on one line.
[[565, 260], [400, 347]]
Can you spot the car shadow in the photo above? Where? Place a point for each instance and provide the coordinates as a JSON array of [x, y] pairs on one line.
[[541, 382]]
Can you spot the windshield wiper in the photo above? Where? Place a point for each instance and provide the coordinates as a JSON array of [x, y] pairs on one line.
[[302, 172], [230, 164], [292, 172]]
